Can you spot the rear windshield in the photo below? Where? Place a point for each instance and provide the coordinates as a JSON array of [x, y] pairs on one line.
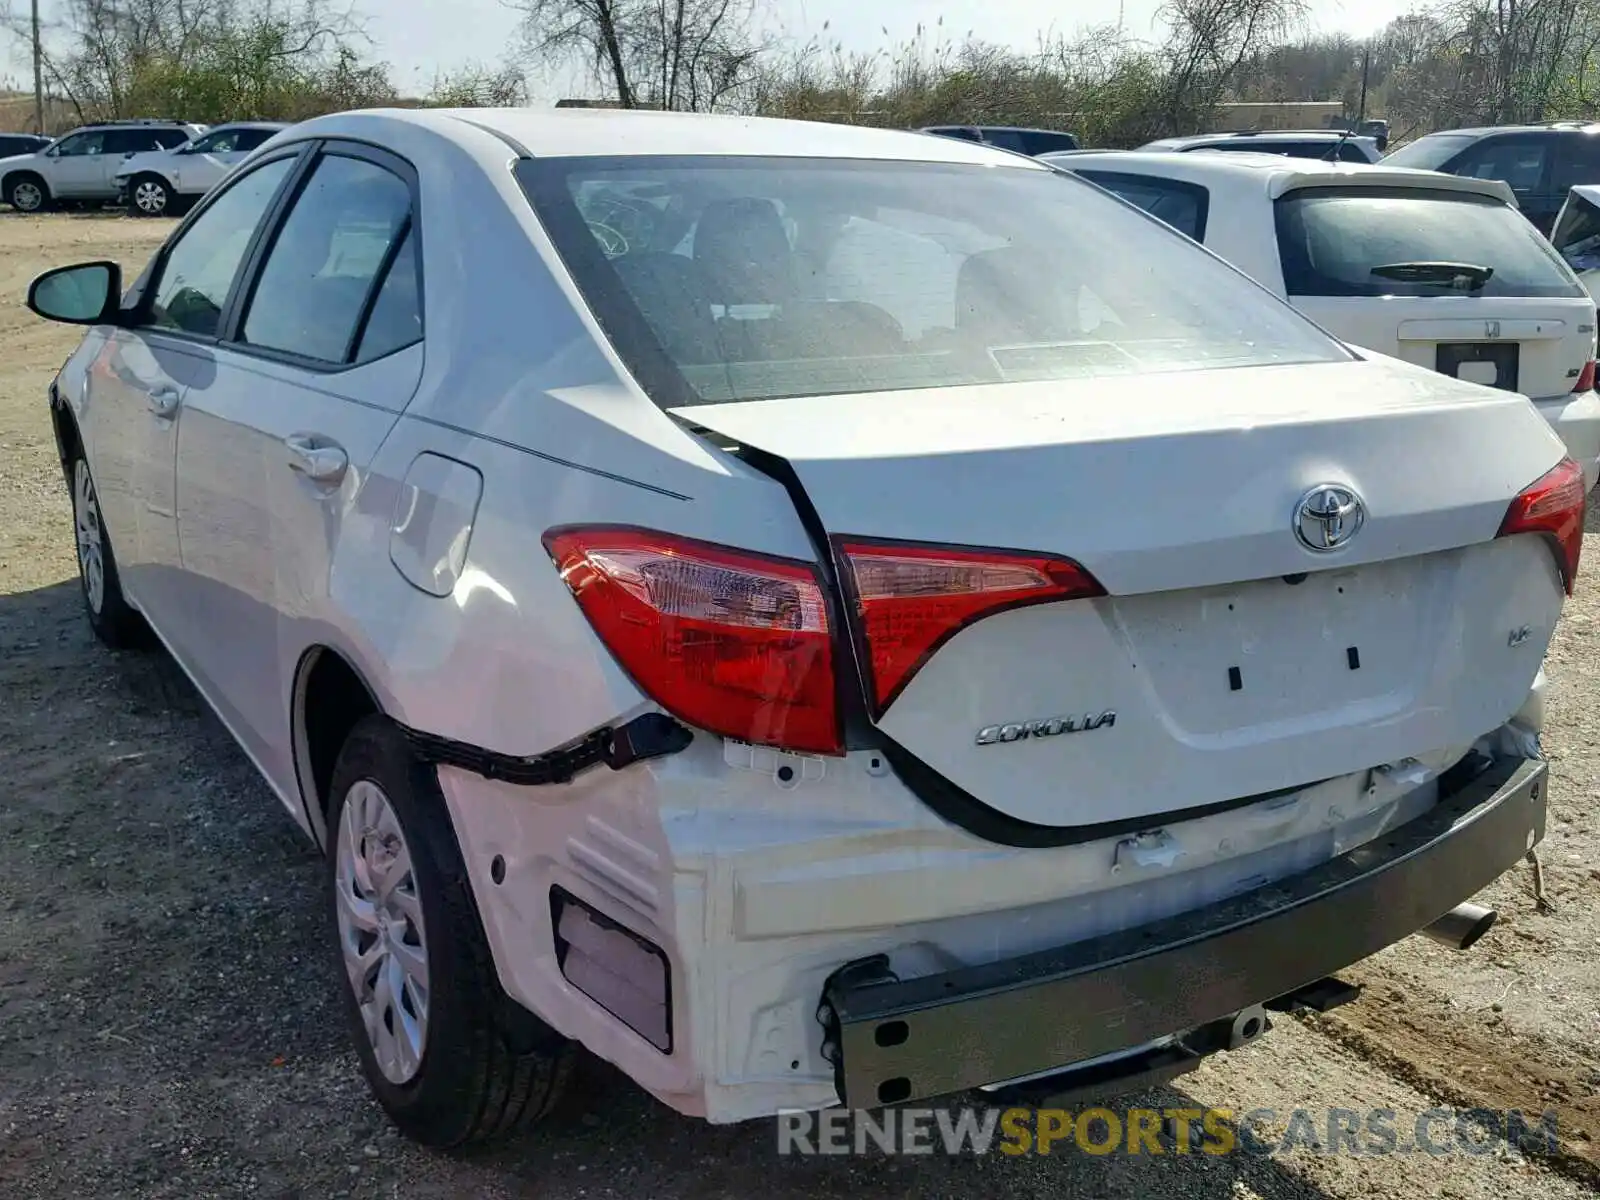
[[1431, 152], [748, 278], [1380, 242]]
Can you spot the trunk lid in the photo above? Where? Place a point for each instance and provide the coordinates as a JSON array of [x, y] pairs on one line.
[[1527, 327], [1236, 661]]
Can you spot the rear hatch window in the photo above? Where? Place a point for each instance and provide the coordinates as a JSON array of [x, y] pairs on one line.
[[1412, 242], [723, 279]]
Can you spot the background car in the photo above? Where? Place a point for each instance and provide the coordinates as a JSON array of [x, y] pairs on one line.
[[1292, 143], [81, 166], [21, 143], [1538, 162], [1435, 269], [1008, 137], [164, 182], [1576, 235]]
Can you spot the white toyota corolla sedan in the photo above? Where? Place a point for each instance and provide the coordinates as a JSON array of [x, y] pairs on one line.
[[814, 615]]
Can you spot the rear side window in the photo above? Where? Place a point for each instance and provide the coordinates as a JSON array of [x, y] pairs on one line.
[[1181, 205], [168, 138], [327, 260], [1404, 242], [1037, 142], [724, 279]]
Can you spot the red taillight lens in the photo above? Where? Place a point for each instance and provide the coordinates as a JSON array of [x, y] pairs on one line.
[[732, 642], [1553, 506], [1585, 378], [909, 600]]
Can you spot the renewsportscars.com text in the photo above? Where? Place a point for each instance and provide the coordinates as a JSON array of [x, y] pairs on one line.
[[1165, 1131]]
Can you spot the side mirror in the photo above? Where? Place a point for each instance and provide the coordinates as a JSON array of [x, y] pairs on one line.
[[84, 294]]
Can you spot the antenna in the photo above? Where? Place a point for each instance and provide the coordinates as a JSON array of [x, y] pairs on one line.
[[1333, 151]]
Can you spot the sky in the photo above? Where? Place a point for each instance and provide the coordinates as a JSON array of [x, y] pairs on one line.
[[418, 37], [421, 38]]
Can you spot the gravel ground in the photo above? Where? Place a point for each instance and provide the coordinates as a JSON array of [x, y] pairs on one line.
[[167, 1015]]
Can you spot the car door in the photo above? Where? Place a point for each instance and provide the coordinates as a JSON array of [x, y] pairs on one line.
[[321, 352], [78, 164], [120, 146], [136, 384], [1522, 161]]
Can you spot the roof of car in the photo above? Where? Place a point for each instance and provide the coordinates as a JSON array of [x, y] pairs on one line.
[[1274, 173], [582, 132], [1486, 130]]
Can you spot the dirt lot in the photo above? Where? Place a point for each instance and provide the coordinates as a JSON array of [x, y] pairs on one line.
[[167, 1016]]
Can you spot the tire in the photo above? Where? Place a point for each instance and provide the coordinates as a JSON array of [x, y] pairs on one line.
[[113, 621], [150, 196], [27, 193], [454, 1063]]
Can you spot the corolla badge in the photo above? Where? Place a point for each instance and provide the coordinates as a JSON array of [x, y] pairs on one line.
[[1327, 517], [1017, 731]]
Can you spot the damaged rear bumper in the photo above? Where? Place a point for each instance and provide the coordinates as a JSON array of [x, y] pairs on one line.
[[893, 1040]]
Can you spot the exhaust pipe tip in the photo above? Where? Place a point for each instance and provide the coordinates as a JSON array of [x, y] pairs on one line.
[[1462, 926]]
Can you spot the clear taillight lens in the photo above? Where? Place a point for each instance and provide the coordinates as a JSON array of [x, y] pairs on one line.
[[1553, 505], [908, 600], [732, 642]]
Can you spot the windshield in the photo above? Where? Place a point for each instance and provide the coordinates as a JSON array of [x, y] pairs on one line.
[[1381, 242], [1431, 152], [1576, 236], [758, 278]]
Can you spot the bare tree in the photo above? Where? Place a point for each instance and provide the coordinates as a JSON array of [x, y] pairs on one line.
[[675, 54]]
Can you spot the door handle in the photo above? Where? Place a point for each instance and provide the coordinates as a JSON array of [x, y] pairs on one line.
[[316, 457], [163, 401]]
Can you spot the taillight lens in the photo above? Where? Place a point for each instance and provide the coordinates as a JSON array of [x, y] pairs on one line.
[[909, 600], [732, 642], [1553, 506], [1585, 378]]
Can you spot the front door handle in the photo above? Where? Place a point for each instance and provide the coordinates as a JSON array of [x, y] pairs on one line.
[[163, 401], [316, 457]]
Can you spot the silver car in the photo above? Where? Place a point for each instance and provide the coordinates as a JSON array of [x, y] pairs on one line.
[[165, 182], [81, 166]]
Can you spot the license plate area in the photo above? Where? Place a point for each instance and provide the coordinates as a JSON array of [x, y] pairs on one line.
[[1492, 364]]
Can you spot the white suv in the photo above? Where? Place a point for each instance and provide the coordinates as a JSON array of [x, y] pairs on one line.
[[1439, 270], [163, 182], [81, 167]]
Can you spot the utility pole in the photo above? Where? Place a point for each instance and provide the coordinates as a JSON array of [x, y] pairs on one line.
[[38, 75], [1366, 65]]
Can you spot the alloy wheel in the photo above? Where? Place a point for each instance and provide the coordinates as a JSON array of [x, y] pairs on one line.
[[91, 540], [150, 198], [27, 197], [381, 932]]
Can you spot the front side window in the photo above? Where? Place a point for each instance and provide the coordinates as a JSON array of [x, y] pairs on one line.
[[1519, 162], [326, 260], [759, 278], [224, 141], [1181, 205], [1412, 242], [89, 142], [198, 273], [249, 139]]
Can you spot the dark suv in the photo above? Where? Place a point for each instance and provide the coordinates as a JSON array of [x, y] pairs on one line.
[[1031, 142], [1539, 162]]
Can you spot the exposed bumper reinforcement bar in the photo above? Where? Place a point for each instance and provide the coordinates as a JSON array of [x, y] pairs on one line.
[[897, 1040]]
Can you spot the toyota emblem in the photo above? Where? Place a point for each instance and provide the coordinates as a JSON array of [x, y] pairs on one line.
[[1327, 517]]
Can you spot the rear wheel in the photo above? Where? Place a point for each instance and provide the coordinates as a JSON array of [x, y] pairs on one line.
[[149, 196], [27, 193], [449, 1056], [113, 621]]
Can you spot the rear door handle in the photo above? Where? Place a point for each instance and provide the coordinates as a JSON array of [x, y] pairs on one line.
[[163, 401], [316, 457]]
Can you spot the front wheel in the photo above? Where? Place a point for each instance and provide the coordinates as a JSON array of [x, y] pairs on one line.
[[114, 622], [150, 196], [452, 1060]]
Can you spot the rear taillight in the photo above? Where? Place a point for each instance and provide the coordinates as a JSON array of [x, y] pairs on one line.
[[732, 642], [910, 599], [1553, 506], [1585, 378]]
